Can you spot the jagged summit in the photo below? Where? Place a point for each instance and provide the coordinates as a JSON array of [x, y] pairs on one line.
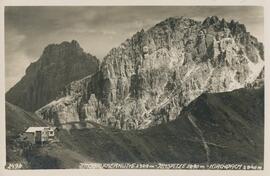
[[64, 48], [211, 20], [220, 23], [72, 43], [178, 20]]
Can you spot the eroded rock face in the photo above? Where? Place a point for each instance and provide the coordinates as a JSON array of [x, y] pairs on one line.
[[149, 78], [59, 65]]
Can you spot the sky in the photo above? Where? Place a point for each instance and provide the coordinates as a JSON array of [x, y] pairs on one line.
[[28, 30]]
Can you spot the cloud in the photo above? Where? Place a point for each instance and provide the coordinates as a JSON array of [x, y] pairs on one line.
[[15, 58]]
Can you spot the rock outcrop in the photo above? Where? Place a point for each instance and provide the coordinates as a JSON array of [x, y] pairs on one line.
[[149, 78], [59, 65]]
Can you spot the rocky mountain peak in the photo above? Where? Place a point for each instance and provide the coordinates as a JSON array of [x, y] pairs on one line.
[[152, 76], [58, 65]]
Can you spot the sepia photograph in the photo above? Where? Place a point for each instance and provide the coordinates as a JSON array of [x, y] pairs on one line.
[[134, 87]]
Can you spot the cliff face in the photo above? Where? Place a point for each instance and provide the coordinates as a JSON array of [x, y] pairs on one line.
[[149, 78], [59, 65]]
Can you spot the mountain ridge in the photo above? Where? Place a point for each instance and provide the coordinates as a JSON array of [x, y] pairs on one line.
[[154, 74]]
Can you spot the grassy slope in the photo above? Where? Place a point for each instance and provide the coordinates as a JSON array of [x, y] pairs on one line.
[[231, 123], [234, 120], [17, 120]]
